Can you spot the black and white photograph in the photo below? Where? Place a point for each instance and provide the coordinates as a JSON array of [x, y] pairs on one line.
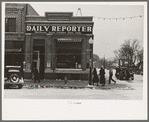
[[74, 60]]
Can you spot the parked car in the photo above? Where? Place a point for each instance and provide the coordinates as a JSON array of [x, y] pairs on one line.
[[123, 73], [13, 77]]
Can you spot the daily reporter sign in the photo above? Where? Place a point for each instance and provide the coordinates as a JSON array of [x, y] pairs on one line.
[[66, 29]]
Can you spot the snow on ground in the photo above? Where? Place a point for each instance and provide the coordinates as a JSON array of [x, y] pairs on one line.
[[135, 92]]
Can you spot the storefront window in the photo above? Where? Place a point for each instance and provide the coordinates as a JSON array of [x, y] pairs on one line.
[[8, 44], [10, 24], [18, 45], [13, 59], [68, 55], [8, 59]]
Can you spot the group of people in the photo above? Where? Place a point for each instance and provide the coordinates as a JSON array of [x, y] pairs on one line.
[[102, 76], [95, 76]]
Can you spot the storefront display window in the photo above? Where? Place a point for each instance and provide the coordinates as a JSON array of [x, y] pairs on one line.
[[10, 24]]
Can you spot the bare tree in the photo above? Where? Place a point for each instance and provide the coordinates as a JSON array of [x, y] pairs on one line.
[[129, 51], [140, 56], [103, 61], [95, 57], [117, 54]]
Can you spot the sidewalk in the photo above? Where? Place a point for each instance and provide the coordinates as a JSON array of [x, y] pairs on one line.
[[74, 84]]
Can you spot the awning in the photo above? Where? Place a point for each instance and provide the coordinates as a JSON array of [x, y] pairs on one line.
[[10, 17], [13, 50], [68, 40]]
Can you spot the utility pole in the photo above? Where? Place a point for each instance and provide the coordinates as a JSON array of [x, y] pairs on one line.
[[91, 60], [104, 62]]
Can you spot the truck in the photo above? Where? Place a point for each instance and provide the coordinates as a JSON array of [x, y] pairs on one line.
[[124, 70]]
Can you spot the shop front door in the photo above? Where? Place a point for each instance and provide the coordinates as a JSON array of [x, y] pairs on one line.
[[39, 56], [36, 59]]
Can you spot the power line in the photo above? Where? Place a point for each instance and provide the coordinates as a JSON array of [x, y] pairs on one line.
[[122, 18]]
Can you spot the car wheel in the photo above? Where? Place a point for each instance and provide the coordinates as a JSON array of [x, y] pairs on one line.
[[20, 86], [14, 78]]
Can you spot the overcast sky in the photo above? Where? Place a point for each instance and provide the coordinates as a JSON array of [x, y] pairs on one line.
[[109, 34]]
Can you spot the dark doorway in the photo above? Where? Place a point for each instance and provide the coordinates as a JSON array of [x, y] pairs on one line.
[[39, 56]]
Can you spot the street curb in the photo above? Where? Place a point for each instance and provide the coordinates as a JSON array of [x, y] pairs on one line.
[[74, 87], [51, 86]]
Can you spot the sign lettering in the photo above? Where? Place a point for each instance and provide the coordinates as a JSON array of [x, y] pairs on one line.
[[75, 29]]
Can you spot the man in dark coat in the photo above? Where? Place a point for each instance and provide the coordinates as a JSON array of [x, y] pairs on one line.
[[36, 75], [110, 76], [102, 76], [95, 77]]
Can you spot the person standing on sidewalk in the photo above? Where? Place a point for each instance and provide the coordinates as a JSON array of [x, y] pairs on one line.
[[102, 76], [65, 79], [95, 77], [110, 76], [36, 75]]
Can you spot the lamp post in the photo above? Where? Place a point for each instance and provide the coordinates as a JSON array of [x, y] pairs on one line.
[[95, 64], [90, 71]]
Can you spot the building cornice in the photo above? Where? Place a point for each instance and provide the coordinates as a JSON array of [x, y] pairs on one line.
[[13, 33], [60, 22], [72, 17], [14, 8]]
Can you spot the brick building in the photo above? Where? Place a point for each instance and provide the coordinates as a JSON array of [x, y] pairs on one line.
[[57, 43]]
